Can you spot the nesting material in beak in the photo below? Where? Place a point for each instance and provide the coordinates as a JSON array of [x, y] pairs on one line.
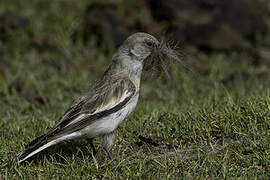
[[162, 56]]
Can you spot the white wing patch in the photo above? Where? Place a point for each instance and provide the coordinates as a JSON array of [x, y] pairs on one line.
[[113, 102], [103, 107]]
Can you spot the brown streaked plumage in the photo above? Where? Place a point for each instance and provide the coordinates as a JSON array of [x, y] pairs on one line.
[[108, 101]]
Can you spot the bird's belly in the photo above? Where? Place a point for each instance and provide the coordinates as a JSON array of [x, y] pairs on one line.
[[109, 123]]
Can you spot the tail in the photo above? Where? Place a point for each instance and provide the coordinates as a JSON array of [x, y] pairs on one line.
[[34, 147]]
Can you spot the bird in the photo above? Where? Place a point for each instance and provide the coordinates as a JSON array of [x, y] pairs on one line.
[[107, 102]]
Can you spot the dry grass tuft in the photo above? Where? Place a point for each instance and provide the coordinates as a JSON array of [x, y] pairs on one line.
[[162, 57]]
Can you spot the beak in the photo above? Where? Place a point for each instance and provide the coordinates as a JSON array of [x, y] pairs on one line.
[[166, 51], [163, 49]]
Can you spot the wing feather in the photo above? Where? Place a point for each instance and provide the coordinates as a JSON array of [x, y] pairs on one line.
[[96, 103]]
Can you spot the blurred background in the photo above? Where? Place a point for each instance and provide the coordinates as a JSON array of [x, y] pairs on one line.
[[52, 49]]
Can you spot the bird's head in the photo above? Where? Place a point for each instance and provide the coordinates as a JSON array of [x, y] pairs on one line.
[[144, 50], [141, 45], [152, 53]]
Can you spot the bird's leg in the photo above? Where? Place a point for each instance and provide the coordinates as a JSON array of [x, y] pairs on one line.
[[108, 153], [90, 141], [107, 143]]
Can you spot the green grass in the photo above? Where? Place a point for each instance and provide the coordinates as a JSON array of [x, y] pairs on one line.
[[221, 130]]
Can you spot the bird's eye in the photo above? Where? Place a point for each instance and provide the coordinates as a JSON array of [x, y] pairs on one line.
[[149, 43]]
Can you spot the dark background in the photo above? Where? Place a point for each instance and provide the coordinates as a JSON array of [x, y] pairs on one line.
[[57, 30]]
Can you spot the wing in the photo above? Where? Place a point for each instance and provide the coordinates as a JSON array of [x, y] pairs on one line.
[[102, 99]]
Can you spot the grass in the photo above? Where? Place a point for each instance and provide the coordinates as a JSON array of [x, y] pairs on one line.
[[210, 120]]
